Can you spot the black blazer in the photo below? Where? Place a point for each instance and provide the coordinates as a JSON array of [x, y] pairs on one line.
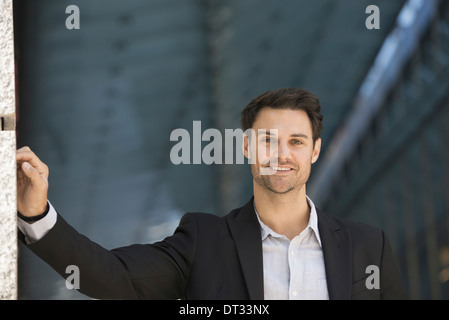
[[211, 257]]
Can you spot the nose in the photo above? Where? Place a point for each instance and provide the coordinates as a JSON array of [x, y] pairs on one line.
[[281, 151]]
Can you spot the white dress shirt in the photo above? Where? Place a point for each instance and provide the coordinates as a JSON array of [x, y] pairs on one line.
[[294, 270], [38, 229]]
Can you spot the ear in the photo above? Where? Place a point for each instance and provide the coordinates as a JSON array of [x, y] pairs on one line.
[[316, 150]]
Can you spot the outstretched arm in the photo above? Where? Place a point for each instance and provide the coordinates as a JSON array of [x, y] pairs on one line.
[[147, 271]]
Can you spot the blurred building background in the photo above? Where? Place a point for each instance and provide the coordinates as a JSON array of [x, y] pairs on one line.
[[98, 105]]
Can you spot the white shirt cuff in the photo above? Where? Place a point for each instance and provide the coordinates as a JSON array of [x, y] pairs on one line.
[[37, 230]]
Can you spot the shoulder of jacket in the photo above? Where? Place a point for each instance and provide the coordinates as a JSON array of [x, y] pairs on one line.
[[200, 218], [356, 228]]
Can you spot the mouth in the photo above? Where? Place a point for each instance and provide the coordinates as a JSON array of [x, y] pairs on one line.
[[276, 168], [280, 170]]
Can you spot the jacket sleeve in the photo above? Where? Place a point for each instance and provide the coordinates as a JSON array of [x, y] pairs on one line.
[[141, 271]]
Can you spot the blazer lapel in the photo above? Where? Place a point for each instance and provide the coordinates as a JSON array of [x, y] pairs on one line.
[[336, 243], [245, 230]]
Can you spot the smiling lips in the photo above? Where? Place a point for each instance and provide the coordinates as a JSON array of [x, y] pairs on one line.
[[281, 169]]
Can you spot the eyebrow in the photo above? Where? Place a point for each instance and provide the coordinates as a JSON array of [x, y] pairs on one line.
[[299, 135], [294, 135]]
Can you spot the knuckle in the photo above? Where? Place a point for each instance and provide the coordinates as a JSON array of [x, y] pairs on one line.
[[24, 148]]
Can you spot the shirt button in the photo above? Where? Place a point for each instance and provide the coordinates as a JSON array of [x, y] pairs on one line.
[[292, 253], [294, 293]]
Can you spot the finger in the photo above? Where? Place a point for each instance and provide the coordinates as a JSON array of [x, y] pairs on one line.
[[25, 148], [26, 155], [35, 163], [34, 175]]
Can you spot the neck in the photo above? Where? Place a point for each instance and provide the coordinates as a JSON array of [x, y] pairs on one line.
[[287, 214]]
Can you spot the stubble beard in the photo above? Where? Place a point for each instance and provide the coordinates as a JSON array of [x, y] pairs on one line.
[[275, 184]]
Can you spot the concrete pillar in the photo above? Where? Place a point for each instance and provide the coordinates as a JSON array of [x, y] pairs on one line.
[[8, 193]]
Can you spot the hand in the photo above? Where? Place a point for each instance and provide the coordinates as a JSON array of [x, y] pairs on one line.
[[32, 183]]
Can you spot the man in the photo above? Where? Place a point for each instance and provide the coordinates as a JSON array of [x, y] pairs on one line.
[[277, 246]]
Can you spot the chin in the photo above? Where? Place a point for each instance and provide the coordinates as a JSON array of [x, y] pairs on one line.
[[280, 190]]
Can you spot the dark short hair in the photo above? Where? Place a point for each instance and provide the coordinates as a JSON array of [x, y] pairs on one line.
[[287, 98]]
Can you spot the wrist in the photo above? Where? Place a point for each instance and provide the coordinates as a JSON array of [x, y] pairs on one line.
[[35, 217]]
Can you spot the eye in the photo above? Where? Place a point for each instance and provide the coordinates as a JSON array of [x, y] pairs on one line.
[[268, 140], [297, 142]]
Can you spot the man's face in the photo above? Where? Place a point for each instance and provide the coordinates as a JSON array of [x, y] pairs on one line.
[[291, 145]]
